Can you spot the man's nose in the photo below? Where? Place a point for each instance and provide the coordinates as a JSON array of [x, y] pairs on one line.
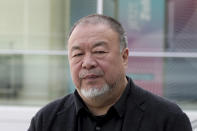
[[89, 62]]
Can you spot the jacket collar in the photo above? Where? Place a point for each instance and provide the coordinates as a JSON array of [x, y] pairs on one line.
[[66, 119]]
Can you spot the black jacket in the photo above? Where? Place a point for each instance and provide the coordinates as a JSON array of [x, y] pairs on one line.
[[144, 112]]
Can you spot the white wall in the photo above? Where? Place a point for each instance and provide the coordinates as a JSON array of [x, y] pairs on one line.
[[14, 118]]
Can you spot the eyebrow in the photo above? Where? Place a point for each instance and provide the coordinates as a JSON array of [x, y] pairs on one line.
[[97, 44], [75, 48], [100, 43]]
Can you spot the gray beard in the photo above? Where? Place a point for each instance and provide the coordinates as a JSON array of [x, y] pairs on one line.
[[95, 92]]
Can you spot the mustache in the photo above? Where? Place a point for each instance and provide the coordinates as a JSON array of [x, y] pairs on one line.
[[96, 72]]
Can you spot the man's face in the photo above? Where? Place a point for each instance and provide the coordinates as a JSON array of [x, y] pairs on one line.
[[96, 63]]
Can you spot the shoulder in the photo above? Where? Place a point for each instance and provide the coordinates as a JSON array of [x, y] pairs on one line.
[[150, 102], [45, 116], [57, 105], [159, 112], [157, 103]]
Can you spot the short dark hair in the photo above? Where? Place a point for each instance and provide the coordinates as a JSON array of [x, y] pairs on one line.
[[106, 20]]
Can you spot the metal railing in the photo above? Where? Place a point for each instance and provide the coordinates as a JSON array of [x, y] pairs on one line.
[[131, 53]]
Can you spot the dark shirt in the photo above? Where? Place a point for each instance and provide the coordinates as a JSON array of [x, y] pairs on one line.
[[86, 121], [136, 110]]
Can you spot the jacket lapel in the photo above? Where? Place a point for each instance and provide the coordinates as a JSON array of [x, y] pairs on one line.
[[65, 121], [133, 118], [136, 106]]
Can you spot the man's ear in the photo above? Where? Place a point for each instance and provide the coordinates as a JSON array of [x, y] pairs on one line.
[[125, 56]]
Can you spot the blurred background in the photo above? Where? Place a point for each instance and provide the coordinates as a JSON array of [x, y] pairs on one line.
[[34, 69]]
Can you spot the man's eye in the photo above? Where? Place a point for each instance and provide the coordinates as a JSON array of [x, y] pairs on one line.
[[77, 55], [100, 52]]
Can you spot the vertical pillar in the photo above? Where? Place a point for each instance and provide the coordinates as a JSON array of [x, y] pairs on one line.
[[99, 6]]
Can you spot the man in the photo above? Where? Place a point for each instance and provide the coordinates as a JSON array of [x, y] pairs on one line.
[[105, 98]]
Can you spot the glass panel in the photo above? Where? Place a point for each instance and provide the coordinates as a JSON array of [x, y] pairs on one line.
[[143, 21], [11, 75], [82, 8], [33, 79], [182, 27], [110, 8], [32, 25]]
